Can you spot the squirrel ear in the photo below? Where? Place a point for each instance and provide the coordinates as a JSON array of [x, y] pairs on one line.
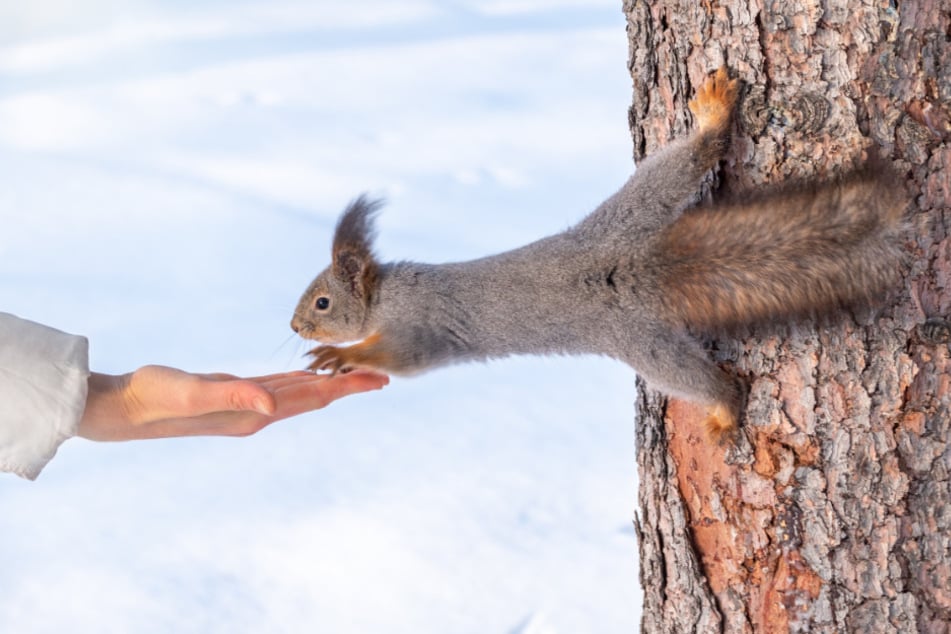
[[355, 270], [353, 260]]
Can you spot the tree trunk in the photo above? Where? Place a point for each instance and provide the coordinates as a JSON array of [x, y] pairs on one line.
[[832, 513]]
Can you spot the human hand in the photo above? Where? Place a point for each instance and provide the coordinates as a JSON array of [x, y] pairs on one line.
[[160, 402]]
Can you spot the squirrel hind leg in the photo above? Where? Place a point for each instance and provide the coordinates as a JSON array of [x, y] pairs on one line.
[[722, 423], [716, 98], [675, 363]]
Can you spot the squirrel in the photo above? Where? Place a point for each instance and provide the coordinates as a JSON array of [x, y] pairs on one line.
[[639, 279]]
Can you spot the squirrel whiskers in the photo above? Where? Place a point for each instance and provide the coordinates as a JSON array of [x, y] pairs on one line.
[[635, 280]]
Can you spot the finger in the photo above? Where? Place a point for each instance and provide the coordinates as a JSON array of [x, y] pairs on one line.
[[276, 382], [340, 385], [224, 376], [297, 398], [297, 389], [279, 375]]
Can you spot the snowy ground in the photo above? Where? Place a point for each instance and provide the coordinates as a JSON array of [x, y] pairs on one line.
[[170, 177]]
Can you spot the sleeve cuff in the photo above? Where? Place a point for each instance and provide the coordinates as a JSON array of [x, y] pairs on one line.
[[43, 386]]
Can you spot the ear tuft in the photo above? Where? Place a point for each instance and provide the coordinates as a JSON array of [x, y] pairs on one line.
[[353, 259], [355, 229]]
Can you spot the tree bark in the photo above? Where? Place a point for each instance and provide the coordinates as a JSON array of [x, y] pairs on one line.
[[832, 512]]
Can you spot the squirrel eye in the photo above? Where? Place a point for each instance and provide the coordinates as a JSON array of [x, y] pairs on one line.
[[322, 303]]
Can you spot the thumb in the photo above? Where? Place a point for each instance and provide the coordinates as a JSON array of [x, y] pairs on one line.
[[155, 392], [233, 395]]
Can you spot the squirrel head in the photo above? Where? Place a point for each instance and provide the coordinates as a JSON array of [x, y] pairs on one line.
[[334, 307]]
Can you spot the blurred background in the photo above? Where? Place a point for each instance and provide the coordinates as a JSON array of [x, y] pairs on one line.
[[170, 174]]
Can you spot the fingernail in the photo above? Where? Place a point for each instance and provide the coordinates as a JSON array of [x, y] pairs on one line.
[[261, 406]]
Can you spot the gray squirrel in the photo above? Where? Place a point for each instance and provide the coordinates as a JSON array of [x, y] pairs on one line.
[[637, 280]]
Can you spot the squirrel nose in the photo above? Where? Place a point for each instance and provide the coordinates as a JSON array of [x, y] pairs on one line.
[[294, 325]]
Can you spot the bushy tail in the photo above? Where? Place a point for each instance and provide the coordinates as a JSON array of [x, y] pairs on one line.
[[785, 251]]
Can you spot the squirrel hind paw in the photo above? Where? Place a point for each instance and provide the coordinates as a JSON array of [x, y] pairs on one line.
[[721, 424], [715, 100]]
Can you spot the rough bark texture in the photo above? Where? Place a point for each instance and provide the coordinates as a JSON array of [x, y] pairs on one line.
[[833, 511]]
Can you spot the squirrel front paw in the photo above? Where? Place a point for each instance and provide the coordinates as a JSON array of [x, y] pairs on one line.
[[366, 354], [715, 101], [328, 358]]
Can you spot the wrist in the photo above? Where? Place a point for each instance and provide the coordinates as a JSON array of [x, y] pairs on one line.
[[106, 406]]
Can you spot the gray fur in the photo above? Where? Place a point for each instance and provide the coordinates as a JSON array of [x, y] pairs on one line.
[[601, 287]]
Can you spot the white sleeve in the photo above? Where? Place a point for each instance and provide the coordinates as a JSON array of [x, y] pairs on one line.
[[43, 387]]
